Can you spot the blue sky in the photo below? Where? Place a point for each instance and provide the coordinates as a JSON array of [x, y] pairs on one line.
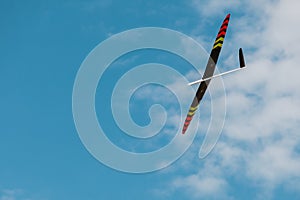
[[42, 47]]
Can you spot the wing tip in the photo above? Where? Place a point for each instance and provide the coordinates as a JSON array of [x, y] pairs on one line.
[[228, 16]]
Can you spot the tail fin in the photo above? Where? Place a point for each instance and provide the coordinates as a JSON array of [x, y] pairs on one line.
[[241, 57]]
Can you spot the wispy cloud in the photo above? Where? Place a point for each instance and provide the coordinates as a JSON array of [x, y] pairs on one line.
[[260, 137], [206, 183], [13, 194]]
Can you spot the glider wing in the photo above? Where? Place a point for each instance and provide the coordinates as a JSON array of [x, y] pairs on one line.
[[209, 71]]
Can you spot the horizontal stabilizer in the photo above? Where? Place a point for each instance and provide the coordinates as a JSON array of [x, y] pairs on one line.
[[242, 65]]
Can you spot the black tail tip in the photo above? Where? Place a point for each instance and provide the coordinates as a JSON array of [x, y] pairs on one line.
[[241, 58]]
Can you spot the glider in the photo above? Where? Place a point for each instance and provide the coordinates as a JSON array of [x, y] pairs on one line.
[[209, 72]]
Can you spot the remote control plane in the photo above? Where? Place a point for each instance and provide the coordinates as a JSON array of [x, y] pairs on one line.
[[209, 72]]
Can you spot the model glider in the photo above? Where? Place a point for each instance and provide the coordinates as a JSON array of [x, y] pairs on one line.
[[209, 72]]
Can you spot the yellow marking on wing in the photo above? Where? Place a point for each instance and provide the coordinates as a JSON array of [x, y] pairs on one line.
[[217, 45], [193, 108], [192, 113], [220, 39]]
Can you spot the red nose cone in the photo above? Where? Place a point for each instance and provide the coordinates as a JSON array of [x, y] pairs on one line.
[[228, 16]]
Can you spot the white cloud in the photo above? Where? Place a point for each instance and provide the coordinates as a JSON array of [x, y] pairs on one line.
[[210, 8], [261, 133], [206, 183], [12, 194], [275, 163], [204, 186]]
